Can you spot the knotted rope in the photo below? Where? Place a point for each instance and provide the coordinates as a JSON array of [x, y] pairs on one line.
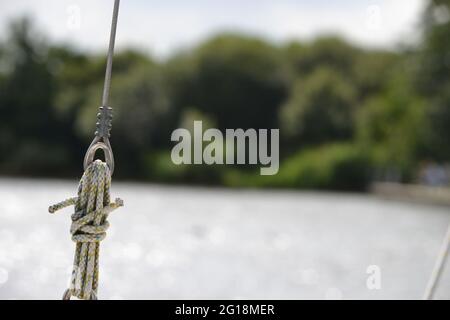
[[89, 225]]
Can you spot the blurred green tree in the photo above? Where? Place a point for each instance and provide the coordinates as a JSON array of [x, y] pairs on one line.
[[391, 126], [326, 51], [234, 79], [26, 105], [371, 69], [319, 109], [433, 76]]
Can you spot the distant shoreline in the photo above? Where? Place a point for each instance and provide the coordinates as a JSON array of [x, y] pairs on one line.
[[413, 192]]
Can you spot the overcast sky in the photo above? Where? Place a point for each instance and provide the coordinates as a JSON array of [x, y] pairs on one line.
[[161, 27]]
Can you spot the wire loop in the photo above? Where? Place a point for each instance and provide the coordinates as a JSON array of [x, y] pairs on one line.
[[104, 117], [96, 145]]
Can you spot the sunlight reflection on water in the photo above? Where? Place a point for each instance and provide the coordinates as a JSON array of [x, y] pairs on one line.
[[176, 243]]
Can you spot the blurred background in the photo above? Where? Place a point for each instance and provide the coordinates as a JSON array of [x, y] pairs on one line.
[[360, 91]]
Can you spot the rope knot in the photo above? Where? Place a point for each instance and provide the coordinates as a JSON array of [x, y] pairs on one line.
[[83, 228]]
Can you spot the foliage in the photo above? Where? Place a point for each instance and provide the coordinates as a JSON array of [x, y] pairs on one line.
[[391, 126], [433, 76], [320, 109], [344, 113], [231, 75], [337, 166]]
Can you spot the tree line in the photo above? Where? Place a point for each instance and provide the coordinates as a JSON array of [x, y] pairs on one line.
[[347, 115]]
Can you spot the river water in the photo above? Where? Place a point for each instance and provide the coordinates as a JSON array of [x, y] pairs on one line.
[[208, 243]]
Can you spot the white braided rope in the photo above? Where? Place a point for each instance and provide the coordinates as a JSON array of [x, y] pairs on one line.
[[89, 225]]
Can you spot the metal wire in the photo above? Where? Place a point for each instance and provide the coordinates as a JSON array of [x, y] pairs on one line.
[[104, 117], [438, 268], [109, 61]]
